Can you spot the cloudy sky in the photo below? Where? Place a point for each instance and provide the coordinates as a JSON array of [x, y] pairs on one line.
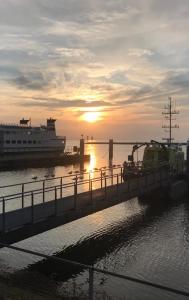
[[118, 59]]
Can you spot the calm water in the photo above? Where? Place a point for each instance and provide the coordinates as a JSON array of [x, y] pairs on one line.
[[146, 242]]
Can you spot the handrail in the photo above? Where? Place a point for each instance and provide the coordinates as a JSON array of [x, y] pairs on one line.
[[51, 188]]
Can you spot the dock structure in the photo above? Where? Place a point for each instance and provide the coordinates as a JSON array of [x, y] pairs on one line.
[[111, 144], [34, 211]]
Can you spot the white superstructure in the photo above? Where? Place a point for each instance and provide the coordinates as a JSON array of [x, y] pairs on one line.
[[24, 138]]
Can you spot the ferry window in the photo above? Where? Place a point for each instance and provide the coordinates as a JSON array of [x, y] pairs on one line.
[[7, 142], [24, 142], [13, 142], [18, 142]]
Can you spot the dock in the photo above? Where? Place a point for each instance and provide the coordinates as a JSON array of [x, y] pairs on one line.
[[36, 212]]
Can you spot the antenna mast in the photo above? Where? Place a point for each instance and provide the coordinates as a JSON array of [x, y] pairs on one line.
[[169, 115]]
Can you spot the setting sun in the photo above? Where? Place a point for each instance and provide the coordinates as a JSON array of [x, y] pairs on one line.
[[92, 116]]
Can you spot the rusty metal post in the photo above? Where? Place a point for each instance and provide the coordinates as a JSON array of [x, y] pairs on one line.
[[23, 195]]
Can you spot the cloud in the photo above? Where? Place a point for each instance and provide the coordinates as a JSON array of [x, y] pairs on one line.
[[32, 81], [60, 103]]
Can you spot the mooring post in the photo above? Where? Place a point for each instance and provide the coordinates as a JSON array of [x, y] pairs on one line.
[[110, 151], [187, 162], [82, 149]]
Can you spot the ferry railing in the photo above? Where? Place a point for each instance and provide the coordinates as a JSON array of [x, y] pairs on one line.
[[92, 271]]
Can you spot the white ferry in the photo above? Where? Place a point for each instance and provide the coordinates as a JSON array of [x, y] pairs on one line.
[[24, 138]]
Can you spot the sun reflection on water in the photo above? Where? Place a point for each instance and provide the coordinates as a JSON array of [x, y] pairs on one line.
[[93, 159]]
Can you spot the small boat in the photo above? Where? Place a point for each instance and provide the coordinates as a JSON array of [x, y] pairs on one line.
[[34, 177], [70, 172]]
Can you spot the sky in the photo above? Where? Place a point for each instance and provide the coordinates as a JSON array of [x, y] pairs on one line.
[[102, 68]]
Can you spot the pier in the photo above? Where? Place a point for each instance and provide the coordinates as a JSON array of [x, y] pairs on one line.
[[33, 211]]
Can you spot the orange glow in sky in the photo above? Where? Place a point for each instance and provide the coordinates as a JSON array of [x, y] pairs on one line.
[[92, 116]]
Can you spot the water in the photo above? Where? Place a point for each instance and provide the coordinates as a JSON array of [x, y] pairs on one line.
[[147, 242]]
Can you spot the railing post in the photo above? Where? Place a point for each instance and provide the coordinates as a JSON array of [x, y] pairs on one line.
[[91, 284], [117, 183], [43, 191], [23, 195], [61, 188], [32, 208], [3, 211], [55, 201], [101, 179], [121, 174], [105, 187], [75, 194], [89, 180], [91, 192]]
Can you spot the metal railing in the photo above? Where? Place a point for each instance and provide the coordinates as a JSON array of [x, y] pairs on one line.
[[92, 270]]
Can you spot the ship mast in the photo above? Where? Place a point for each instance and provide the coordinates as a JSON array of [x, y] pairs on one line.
[[170, 113]]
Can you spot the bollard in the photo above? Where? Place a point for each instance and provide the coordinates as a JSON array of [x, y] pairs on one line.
[[91, 284], [23, 195]]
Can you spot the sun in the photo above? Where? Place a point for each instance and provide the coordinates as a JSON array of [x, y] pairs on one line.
[[92, 116]]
